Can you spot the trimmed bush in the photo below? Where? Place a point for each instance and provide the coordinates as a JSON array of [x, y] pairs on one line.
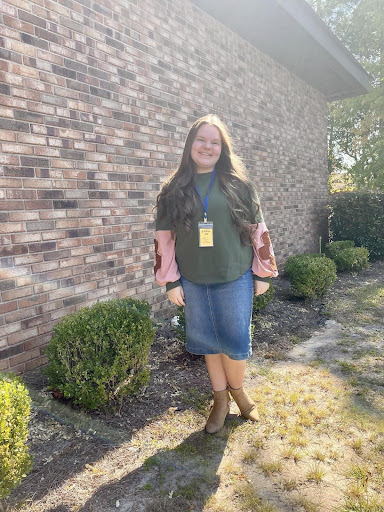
[[347, 256], [15, 406], [359, 217], [334, 248], [99, 354], [260, 301], [353, 259], [310, 275]]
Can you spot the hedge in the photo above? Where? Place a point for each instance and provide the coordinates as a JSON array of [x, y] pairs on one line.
[[359, 217], [100, 353], [15, 407], [310, 275]]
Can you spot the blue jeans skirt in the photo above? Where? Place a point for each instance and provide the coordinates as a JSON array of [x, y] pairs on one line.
[[218, 317]]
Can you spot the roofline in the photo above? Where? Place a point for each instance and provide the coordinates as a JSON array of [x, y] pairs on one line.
[[303, 13]]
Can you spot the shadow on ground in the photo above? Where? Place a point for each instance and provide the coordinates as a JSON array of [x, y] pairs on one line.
[[172, 480]]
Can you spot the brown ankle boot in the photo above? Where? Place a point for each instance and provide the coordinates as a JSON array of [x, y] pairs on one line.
[[219, 411], [245, 403]]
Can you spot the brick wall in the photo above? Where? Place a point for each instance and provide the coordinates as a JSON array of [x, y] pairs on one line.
[[95, 101]]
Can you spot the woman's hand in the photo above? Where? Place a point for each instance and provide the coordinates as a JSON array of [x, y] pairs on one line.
[[260, 287], [176, 295]]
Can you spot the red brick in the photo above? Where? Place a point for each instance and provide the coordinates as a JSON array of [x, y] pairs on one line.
[[7, 307], [29, 259], [54, 235], [37, 184], [12, 227], [11, 182], [27, 138], [45, 267], [70, 242], [15, 216], [22, 26], [22, 358], [9, 329], [38, 205], [71, 262], [56, 214], [21, 336], [21, 194], [22, 314], [4, 364], [35, 363], [26, 238], [33, 301], [16, 148], [11, 273], [45, 287], [7, 135], [17, 293]]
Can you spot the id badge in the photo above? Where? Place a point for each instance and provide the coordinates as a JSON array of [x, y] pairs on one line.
[[205, 234]]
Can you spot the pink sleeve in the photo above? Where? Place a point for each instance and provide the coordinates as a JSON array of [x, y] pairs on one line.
[[166, 269], [264, 263]]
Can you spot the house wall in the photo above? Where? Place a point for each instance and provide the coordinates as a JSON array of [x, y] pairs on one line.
[[96, 100]]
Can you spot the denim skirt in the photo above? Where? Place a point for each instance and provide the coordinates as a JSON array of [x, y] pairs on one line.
[[218, 317]]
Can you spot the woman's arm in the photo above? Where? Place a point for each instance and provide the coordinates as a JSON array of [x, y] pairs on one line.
[[166, 268], [264, 263]]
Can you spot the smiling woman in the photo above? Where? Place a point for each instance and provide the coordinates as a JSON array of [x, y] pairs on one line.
[[213, 252], [206, 148]]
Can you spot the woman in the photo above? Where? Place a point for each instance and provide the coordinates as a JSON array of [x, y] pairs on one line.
[[213, 252]]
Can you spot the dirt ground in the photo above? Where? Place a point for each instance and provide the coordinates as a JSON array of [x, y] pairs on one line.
[[311, 360]]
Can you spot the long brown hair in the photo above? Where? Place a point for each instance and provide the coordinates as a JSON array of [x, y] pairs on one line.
[[178, 198]]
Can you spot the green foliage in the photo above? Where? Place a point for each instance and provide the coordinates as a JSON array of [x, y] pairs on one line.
[[359, 217], [310, 275], [260, 301], [334, 248], [15, 406], [356, 125], [99, 354], [347, 256], [180, 329]]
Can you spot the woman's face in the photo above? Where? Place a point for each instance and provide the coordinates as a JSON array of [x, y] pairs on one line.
[[206, 148]]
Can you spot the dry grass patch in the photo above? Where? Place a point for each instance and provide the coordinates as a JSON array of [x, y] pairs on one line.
[[312, 426]]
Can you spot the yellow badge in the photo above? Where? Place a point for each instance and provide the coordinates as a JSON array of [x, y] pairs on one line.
[[205, 234]]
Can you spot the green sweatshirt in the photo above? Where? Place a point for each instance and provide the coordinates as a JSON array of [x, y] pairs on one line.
[[228, 259]]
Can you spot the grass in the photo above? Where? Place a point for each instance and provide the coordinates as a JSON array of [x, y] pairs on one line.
[[316, 473], [360, 305], [249, 499], [307, 504], [269, 468]]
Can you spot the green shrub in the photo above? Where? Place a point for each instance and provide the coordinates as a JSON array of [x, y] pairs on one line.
[[347, 256], [332, 249], [359, 217], [180, 329], [99, 354], [353, 259], [15, 405], [260, 301], [310, 275]]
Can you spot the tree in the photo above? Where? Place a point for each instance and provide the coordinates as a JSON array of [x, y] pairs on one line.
[[356, 125]]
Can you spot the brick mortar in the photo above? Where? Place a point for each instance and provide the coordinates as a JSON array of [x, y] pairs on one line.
[[82, 167]]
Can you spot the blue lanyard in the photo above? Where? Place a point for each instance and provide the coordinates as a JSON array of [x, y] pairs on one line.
[[205, 203]]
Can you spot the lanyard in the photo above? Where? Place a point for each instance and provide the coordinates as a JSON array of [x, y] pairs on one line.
[[205, 203]]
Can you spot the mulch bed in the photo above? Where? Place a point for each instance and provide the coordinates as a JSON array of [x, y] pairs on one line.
[[59, 448]]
